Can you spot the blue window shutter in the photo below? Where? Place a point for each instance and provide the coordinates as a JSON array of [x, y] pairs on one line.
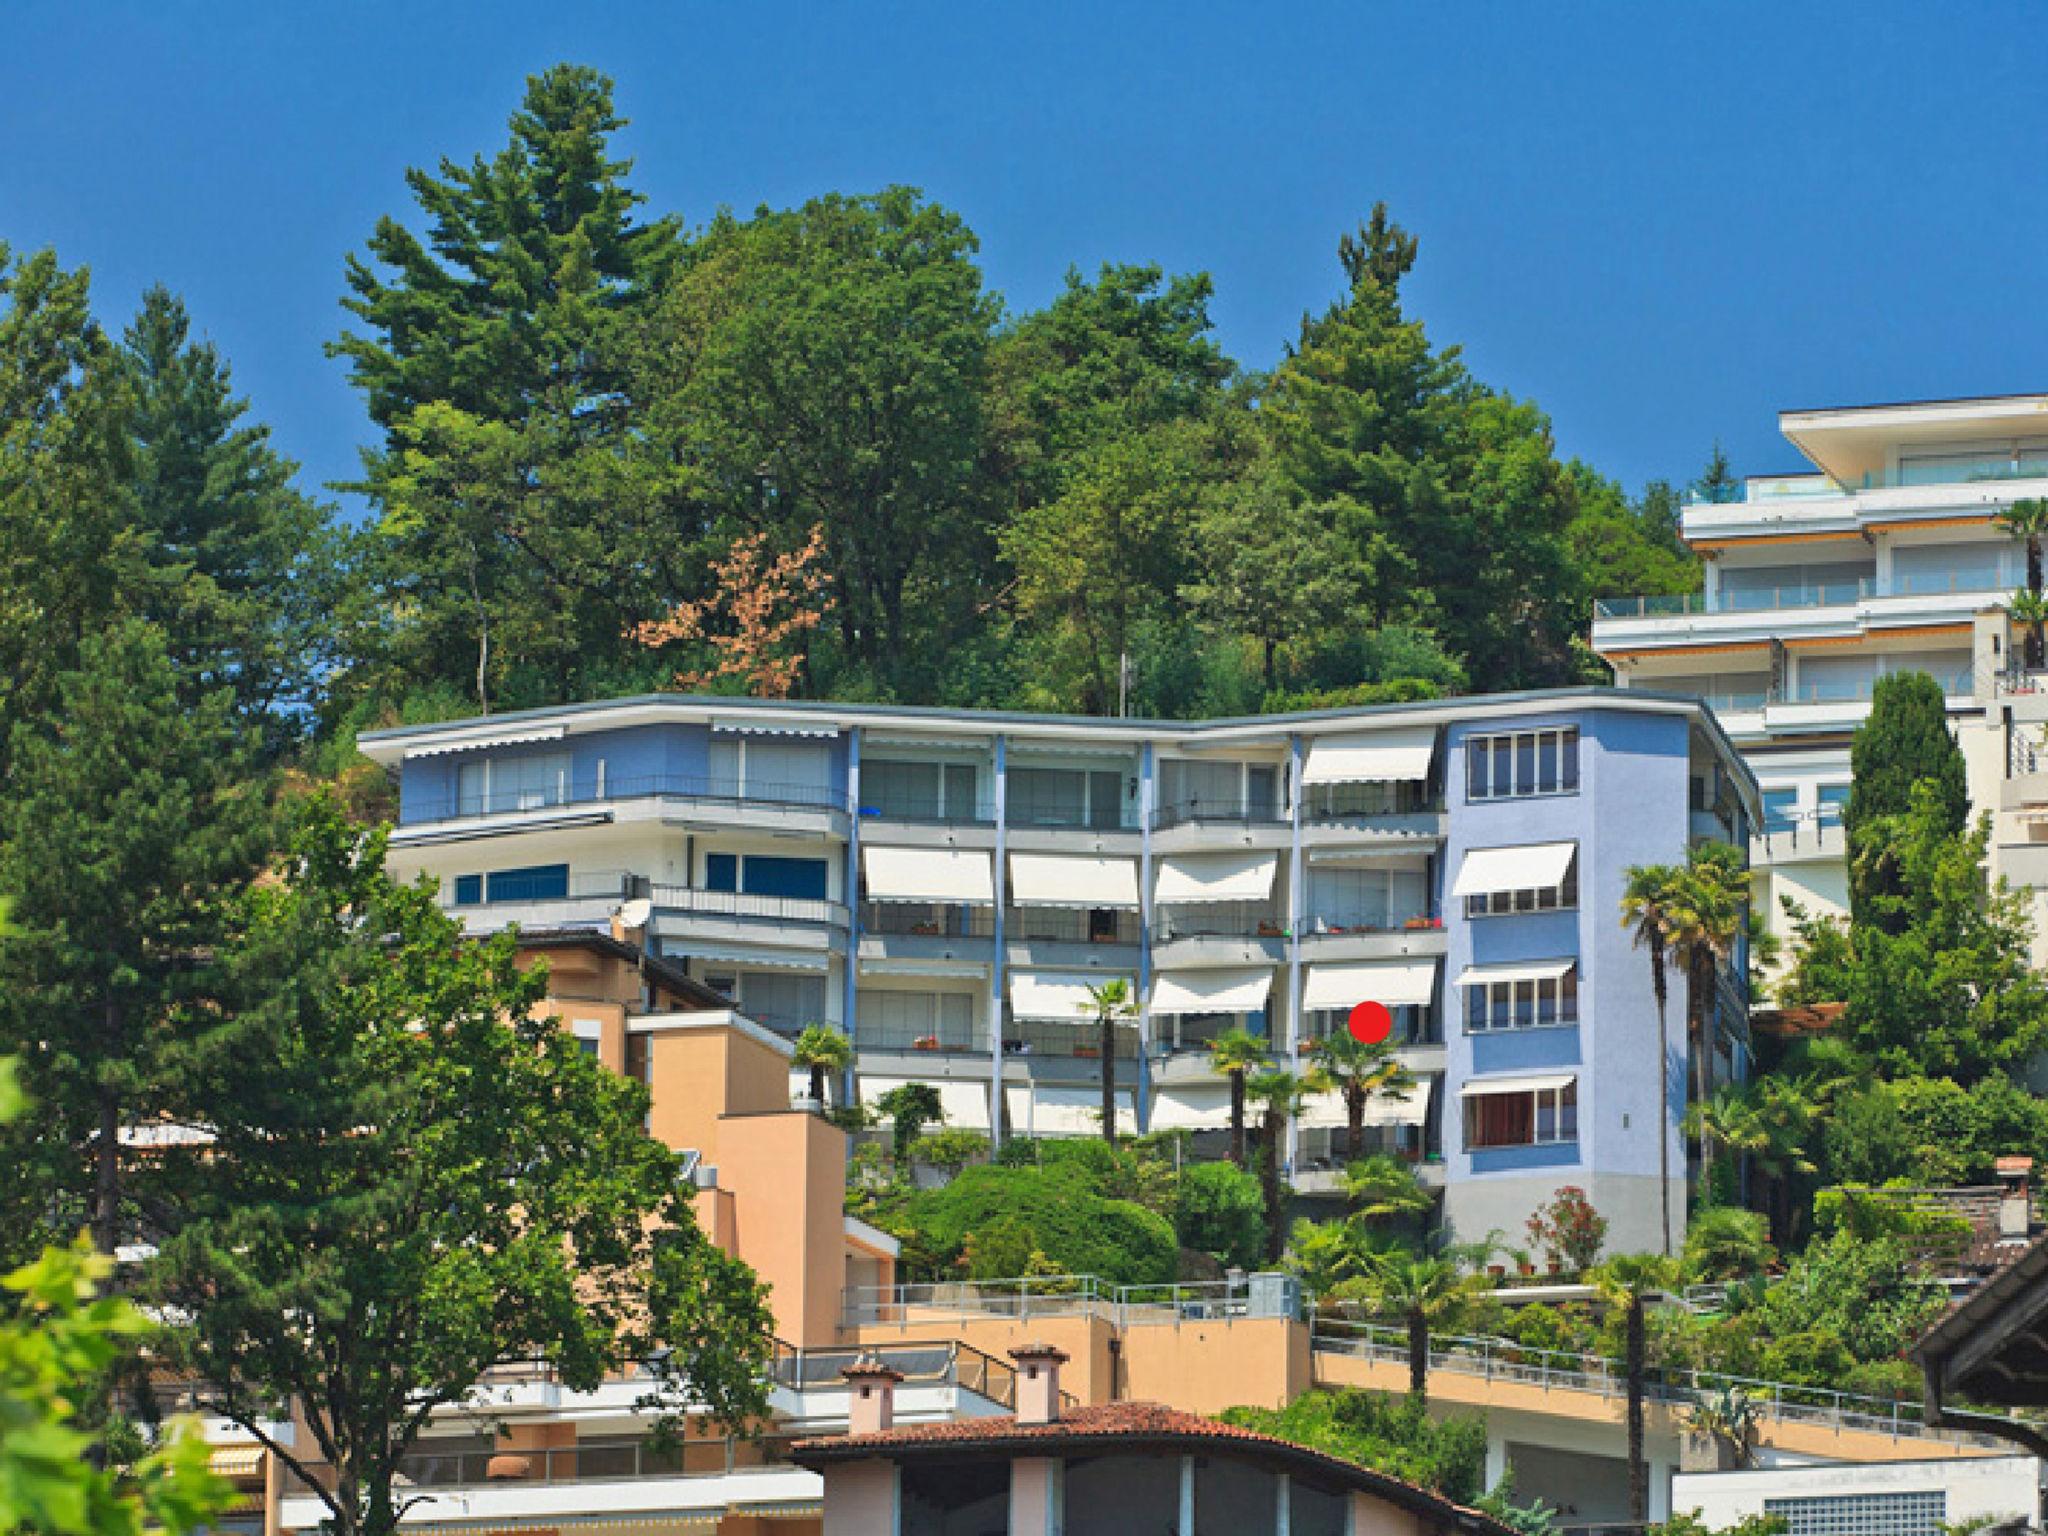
[[540, 882], [469, 890], [798, 879], [721, 872]]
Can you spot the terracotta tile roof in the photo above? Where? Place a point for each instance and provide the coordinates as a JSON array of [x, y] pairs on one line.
[[1135, 1424]]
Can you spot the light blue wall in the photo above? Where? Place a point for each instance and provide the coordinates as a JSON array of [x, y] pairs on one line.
[[1631, 808]]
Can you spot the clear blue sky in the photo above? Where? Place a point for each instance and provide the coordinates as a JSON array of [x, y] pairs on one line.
[[1662, 222]]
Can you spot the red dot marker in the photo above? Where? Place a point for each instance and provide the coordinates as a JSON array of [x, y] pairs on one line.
[[1371, 1023]]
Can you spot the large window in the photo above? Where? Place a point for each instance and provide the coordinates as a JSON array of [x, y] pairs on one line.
[[1525, 1003], [1540, 1117], [915, 1020], [512, 783], [1553, 898], [1781, 809], [1066, 797], [1909, 1512], [913, 791], [1834, 800], [1516, 765], [1192, 790], [761, 874], [784, 1001], [538, 882]]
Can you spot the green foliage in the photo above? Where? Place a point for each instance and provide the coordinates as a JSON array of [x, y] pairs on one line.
[[1568, 1229], [824, 1051], [1845, 1300], [1389, 1434], [1690, 1524], [952, 1147], [1219, 1210], [1869, 1215], [910, 1108], [412, 1178], [1933, 1132], [1904, 743], [1053, 1210], [1726, 1243]]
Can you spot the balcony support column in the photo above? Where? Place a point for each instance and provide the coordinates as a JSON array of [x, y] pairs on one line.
[[1148, 801], [996, 957], [851, 1002], [1297, 901]]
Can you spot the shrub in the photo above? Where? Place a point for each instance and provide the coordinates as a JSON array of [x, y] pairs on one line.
[[1727, 1243], [1391, 1434], [952, 1148], [1568, 1229], [1218, 1208], [910, 1108], [1058, 1214]]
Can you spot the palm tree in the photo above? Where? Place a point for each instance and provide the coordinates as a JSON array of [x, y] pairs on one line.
[[1110, 1001], [1361, 1072], [1384, 1188], [1730, 1416], [1707, 905], [2028, 520], [1429, 1294], [1280, 1094], [823, 1049], [1235, 1054], [2031, 609], [1326, 1254], [1726, 1242], [1629, 1280], [1645, 908]]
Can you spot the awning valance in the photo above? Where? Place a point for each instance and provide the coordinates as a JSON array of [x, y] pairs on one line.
[[1515, 970], [1072, 880], [1524, 867], [821, 729], [473, 743], [1381, 757], [1236, 876], [1065, 1111], [1191, 1109], [759, 959], [1236, 990], [928, 874], [1327, 1111], [1395, 983], [1056, 994], [1534, 1082]]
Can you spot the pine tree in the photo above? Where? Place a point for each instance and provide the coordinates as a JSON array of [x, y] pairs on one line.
[[129, 820], [1904, 741]]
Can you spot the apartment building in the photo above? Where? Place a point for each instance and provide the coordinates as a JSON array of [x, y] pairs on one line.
[[948, 886], [1886, 556]]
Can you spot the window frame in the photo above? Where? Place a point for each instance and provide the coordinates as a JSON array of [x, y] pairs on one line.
[[1549, 755]]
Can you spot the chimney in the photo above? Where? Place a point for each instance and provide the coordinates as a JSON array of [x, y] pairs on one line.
[[2015, 1205], [1038, 1382], [873, 1405]]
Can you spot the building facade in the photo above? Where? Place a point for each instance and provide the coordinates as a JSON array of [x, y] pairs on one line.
[[1887, 556], [947, 887]]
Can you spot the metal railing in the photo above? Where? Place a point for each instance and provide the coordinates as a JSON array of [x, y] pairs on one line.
[[1057, 1037], [782, 909], [1071, 925], [1505, 1361], [1328, 923], [590, 1461], [1790, 596], [1213, 809], [927, 919], [664, 785], [1218, 920], [945, 1362], [1266, 1295]]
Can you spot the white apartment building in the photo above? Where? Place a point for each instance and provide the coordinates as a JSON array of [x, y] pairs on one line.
[[1887, 556]]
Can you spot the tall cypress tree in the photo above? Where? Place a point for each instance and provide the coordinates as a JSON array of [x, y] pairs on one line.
[[1904, 741]]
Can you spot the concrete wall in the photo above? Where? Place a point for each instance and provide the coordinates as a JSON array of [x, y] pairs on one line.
[[1207, 1367], [861, 1499], [787, 1174], [701, 1072], [1994, 1486]]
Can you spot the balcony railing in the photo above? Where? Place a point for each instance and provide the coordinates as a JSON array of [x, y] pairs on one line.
[[927, 919], [1071, 925], [1829, 594], [1217, 920], [516, 888], [927, 812], [1043, 1296], [937, 1040], [780, 909], [1330, 922], [598, 1461], [1219, 811], [1057, 1038], [1325, 804], [669, 785]]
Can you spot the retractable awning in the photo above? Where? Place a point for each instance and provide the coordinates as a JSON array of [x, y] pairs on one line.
[[759, 959], [1056, 994], [1234, 990], [938, 875], [1072, 880], [963, 1101], [774, 728], [1191, 1109], [1382, 757], [1395, 983], [1524, 867], [962, 970], [1326, 1111], [1043, 1111], [1516, 970], [1192, 877], [474, 743], [1534, 1082]]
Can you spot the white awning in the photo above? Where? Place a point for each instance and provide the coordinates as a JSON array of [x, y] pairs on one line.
[[1525, 867], [774, 728], [928, 874], [740, 955], [1395, 983], [512, 738], [1326, 1111], [1191, 1109], [1516, 970], [1399, 857], [1216, 877], [1044, 1111], [964, 1101], [936, 969], [1072, 880], [1056, 994], [1535, 1082], [1241, 990], [1381, 757]]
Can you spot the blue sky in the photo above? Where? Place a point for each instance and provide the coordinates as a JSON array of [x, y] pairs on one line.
[[1663, 223]]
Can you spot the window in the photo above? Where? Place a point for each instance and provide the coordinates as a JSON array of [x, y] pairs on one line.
[[1834, 800], [541, 882], [1066, 797], [1526, 1003], [915, 791], [1541, 1117], [783, 1001], [905, 1020], [761, 874], [1915, 1512], [512, 783], [469, 890], [1781, 812], [1520, 764], [721, 872], [1555, 898]]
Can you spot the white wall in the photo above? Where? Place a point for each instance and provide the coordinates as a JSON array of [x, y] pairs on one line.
[[1972, 1486]]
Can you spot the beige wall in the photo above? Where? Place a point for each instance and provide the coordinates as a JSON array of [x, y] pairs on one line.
[[1207, 1367], [699, 1073], [860, 1499], [1372, 1516], [1085, 1339], [786, 1172]]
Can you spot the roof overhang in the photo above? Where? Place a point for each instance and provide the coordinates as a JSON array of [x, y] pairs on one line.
[[1851, 442]]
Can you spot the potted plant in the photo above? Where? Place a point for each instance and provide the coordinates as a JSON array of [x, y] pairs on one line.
[[926, 1043]]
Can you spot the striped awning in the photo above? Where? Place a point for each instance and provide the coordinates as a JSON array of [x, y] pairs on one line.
[[485, 741]]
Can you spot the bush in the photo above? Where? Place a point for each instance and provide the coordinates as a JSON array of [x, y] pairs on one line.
[[1569, 1229], [1391, 1434], [1056, 1212], [1726, 1243], [952, 1148], [1219, 1209], [1859, 1293]]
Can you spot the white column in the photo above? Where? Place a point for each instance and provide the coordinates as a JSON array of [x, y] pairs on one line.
[[995, 969], [1283, 1505], [1186, 1524]]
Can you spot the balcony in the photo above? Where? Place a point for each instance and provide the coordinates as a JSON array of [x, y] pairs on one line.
[[1059, 1040], [740, 906], [1219, 812], [1218, 933], [912, 1040], [1803, 595], [927, 920], [755, 803], [534, 899], [1070, 936]]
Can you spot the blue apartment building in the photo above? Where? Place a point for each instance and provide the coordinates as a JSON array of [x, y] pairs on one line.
[[948, 886]]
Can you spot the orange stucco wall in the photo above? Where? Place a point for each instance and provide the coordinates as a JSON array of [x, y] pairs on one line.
[[1086, 1341], [1207, 1367], [787, 1175], [698, 1073]]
